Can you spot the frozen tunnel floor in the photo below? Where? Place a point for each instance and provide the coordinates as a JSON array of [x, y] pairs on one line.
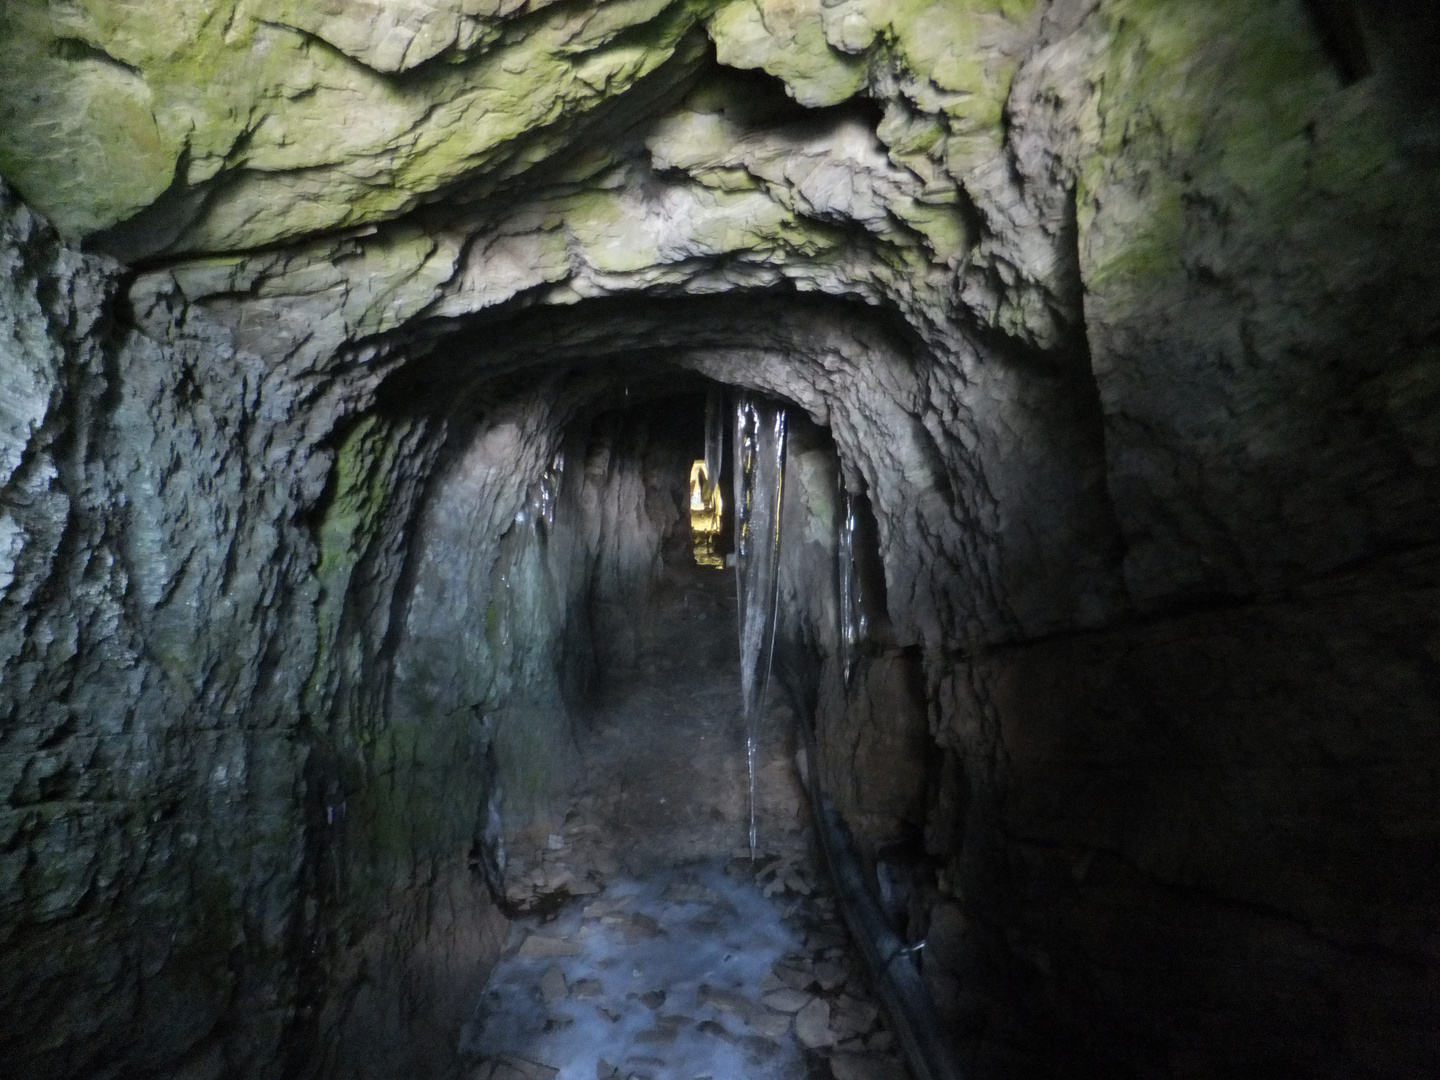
[[689, 973], [650, 946]]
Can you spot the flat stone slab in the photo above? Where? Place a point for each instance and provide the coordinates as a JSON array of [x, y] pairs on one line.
[[788, 1001], [542, 947]]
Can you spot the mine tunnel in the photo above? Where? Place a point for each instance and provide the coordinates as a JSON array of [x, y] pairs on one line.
[[684, 583], [719, 538]]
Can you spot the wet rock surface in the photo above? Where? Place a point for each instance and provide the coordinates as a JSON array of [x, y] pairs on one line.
[[647, 945]]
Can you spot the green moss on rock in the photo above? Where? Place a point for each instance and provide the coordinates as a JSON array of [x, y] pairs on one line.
[[362, 477], [310, 137], [786, 39], [1226, 103]]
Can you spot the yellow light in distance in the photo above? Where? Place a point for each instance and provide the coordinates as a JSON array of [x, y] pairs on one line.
[[706, 508]]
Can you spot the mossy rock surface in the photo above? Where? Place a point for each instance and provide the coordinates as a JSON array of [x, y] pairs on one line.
[[157, 128], [286, 119]]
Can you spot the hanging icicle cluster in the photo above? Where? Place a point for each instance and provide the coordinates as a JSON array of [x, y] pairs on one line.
[[544, 494], [759, 482], [550, 488]]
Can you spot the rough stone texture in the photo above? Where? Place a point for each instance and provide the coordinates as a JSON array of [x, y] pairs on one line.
[[229, 113], [192, 831], [1122, 316], [148, 737], [516, 612], [1236, 798]]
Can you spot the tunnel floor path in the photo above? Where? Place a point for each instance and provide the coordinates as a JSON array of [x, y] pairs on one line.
[[650, 945]]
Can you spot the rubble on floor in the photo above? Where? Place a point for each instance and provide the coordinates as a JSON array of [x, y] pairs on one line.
[[705, 971]]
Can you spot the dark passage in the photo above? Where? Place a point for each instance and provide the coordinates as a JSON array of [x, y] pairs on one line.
[[655, 946]]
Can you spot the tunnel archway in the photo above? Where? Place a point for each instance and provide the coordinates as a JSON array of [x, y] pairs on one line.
[[611, 547], [540, 619]]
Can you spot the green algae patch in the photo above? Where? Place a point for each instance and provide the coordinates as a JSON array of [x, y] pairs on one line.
[[691, 140], [293, 133], [362, 478], [1204, 105], [786, 38], [394, 279], [373, 284], [613, 238], [79, 135], [533, 746], [944, 228], [957, 62], [957, 46], [362, 470], [392, 37]]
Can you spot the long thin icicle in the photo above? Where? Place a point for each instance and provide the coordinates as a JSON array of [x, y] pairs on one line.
[[714, 436], [759, 485], [853, 623]]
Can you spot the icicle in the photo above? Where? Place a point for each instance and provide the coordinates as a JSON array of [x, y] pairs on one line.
[[853, 622], [541, 498], [714, 438], [759, 482], [550, 488]]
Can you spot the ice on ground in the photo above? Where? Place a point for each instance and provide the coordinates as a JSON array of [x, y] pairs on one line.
[[660, 977]]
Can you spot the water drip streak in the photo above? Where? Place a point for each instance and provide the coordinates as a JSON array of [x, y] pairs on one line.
[[759, 484]]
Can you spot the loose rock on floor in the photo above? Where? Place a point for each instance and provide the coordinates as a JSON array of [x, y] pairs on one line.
[[648, 947]]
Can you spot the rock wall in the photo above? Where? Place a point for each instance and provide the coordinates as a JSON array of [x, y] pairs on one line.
[[150, 731], [1199, 843], [535, 553], [1122, 316], [246, 812]]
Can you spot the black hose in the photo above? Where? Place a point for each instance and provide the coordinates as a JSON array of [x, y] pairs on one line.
[[896, 979]]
